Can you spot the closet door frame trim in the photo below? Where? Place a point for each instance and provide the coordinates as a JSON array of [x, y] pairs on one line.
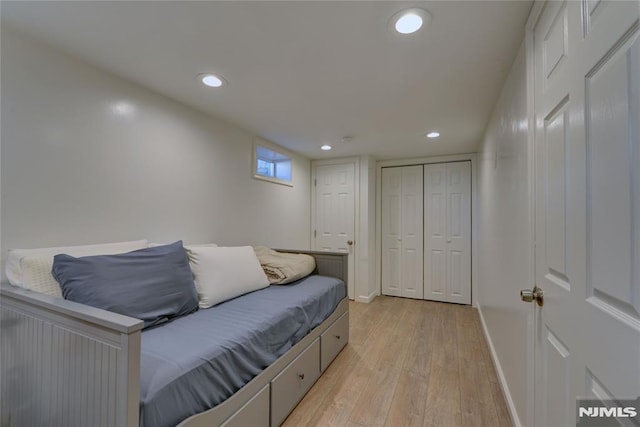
[[474, 209]]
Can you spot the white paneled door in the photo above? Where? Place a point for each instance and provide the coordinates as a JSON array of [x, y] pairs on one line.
[[587, 138], [447, 232], [391, 235], [334, 228], [402, 231]]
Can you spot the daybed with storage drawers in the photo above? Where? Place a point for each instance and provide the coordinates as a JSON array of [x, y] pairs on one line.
[[69, 364]]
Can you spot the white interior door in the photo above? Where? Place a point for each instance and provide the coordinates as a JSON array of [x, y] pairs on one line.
[[402, 231], [435, 232], [447, 232], [334, 228], [391, 271], [412, 234], [587, 112]]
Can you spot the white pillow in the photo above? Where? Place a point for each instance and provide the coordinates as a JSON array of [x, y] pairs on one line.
[[31, 268], [190, 248], [222, 273], [153, 245]]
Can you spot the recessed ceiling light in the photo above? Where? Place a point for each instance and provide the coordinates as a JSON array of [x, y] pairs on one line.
[[326, 147], [211, 80], [410, 20], [433, 134], [409, 23]]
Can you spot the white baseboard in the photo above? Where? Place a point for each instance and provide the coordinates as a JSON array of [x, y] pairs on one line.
[[501, 378], [368, 298]]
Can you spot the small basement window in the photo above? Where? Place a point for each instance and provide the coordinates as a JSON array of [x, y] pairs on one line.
[[272, 164]]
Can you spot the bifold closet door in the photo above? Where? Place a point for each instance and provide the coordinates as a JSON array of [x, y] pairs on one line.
[[447, 232], [402, 231]]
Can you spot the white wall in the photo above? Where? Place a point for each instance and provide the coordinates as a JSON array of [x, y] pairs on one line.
[[504, 238], [88, 157]]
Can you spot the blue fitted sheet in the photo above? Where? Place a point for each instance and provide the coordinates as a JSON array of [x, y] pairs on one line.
[[198, 361]]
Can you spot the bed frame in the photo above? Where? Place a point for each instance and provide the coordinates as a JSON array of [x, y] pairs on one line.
[[67, 364]]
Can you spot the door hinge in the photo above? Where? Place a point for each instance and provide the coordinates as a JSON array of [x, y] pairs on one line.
[[315, 233], [315, 182]]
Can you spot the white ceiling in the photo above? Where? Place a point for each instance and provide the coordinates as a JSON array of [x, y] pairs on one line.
[[304, 73]]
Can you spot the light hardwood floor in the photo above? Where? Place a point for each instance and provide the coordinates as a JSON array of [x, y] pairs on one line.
[[408, 363]]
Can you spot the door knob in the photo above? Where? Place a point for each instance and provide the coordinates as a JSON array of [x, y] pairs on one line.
[[349, 242], [528, 295]]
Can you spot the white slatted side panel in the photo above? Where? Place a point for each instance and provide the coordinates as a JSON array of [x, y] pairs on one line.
[[54, 376]]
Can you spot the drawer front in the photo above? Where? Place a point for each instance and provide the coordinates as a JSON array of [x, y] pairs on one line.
[[293, 382], [333, 340], [254, 413]]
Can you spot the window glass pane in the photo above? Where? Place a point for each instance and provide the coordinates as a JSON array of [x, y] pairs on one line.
[[267, 154], [265, 168], [272, 164], [283, 170]]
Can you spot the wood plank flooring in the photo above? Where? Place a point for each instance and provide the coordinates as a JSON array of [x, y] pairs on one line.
[[408, 363]]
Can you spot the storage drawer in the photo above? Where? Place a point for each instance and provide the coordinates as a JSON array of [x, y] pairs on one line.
[[333, 340], [254, 413], [293, 382]]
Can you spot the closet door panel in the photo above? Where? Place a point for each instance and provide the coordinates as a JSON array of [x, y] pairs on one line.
[[435, 224], [412, 232], [447, 241], [458, 237], [391, 231]]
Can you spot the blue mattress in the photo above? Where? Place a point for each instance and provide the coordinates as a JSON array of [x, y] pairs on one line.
[[198, 361]]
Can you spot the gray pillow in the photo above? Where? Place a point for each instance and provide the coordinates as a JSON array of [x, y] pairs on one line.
[[152, 284]]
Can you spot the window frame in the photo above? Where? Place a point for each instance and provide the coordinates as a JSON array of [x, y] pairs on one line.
[[259, 142]]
